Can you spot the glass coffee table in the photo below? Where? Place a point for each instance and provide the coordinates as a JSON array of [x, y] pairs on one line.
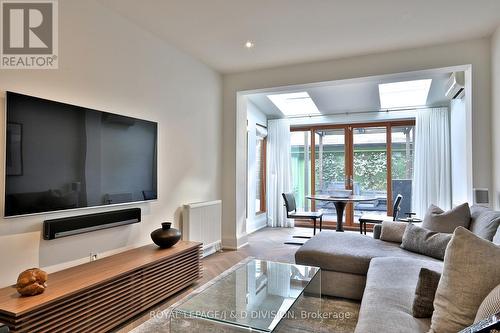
[[258, 296]]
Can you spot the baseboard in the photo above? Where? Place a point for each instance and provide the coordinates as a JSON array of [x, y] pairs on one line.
[[234, 244], [242, 240], [257, 229], [229, 244]]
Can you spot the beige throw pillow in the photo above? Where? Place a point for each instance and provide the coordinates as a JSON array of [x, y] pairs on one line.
[[393, 231], [471, 270], [440, 221]]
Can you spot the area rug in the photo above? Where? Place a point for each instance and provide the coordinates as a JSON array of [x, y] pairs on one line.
[[333, 314]]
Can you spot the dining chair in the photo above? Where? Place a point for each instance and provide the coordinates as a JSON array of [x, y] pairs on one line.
[[292, 213], [377, 219]]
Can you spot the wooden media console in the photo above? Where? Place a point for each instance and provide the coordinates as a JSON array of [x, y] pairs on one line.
[[98, 296]]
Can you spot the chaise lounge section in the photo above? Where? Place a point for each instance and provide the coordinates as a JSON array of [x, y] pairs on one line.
[[388, 297], [345, 258]]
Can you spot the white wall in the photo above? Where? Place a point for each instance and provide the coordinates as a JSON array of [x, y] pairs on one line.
[[110, 64], [495, 84], [254, 117], [474, 52]]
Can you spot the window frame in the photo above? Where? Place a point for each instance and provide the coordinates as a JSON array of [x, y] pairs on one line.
[[348, 222], [263, 167]]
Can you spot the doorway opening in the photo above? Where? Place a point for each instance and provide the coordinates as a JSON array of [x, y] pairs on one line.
[[360, 135]]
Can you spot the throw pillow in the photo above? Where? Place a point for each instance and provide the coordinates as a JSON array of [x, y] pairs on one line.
[[427, 284], [489, 306], [438, 220], [423, 241], [393, 231], [486, 224], [471, 270]]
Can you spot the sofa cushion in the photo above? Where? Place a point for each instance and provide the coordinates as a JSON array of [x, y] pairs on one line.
[[476, 210], [348, 252], [489, 306], [388, 297], [440, 221], [343, 285], [423, 241], [496, 238], [393, 231], [425, 291], [485, 224], [471, 270]]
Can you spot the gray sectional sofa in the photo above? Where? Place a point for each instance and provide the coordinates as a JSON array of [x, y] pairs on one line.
[[381, 274]]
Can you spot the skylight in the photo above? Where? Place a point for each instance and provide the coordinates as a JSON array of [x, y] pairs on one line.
[[294, 104], [404, 94]]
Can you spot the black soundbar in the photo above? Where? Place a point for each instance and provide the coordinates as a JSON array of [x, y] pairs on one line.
[[68, 226]]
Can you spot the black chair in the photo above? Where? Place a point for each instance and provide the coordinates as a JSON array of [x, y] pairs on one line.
[[377, 219], [4, 328], [291, 213]]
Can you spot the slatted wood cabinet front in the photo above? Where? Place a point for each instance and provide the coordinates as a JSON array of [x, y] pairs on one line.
[[98, 296]]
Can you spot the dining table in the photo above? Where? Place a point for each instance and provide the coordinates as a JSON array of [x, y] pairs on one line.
[[340, 202]]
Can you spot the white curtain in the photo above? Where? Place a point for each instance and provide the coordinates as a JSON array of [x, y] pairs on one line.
[[432, 167], [279, 171]]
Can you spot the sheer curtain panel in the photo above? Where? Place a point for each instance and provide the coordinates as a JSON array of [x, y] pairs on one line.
[[279, 171], [432, 178]]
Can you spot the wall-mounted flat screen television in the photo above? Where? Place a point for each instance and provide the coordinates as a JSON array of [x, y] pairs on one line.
[[61, 156]]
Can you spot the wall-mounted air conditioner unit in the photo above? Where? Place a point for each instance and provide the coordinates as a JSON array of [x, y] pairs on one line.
[[455, 86]]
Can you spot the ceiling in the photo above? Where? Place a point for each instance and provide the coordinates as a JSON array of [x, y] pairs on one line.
[[293, 31], [362, 95]]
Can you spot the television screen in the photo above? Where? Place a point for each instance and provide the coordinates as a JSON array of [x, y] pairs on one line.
[[61, 156]]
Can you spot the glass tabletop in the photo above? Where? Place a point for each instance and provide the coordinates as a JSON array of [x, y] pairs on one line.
[[255, 296], [353, 198]]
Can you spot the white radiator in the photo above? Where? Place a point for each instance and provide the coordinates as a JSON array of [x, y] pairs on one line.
[[202, 222]]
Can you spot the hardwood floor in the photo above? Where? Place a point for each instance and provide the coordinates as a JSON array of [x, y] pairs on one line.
[[267, 243]]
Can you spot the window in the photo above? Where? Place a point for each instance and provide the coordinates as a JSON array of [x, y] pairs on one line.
[[260, 167], [371, 159], [330, 172], [369, 169], [403, 150], [404, 94], [301, 167], [294, 104]]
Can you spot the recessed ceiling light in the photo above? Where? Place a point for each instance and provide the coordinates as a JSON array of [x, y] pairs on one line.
[[404, 94], [295, 104], [249, 44]]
